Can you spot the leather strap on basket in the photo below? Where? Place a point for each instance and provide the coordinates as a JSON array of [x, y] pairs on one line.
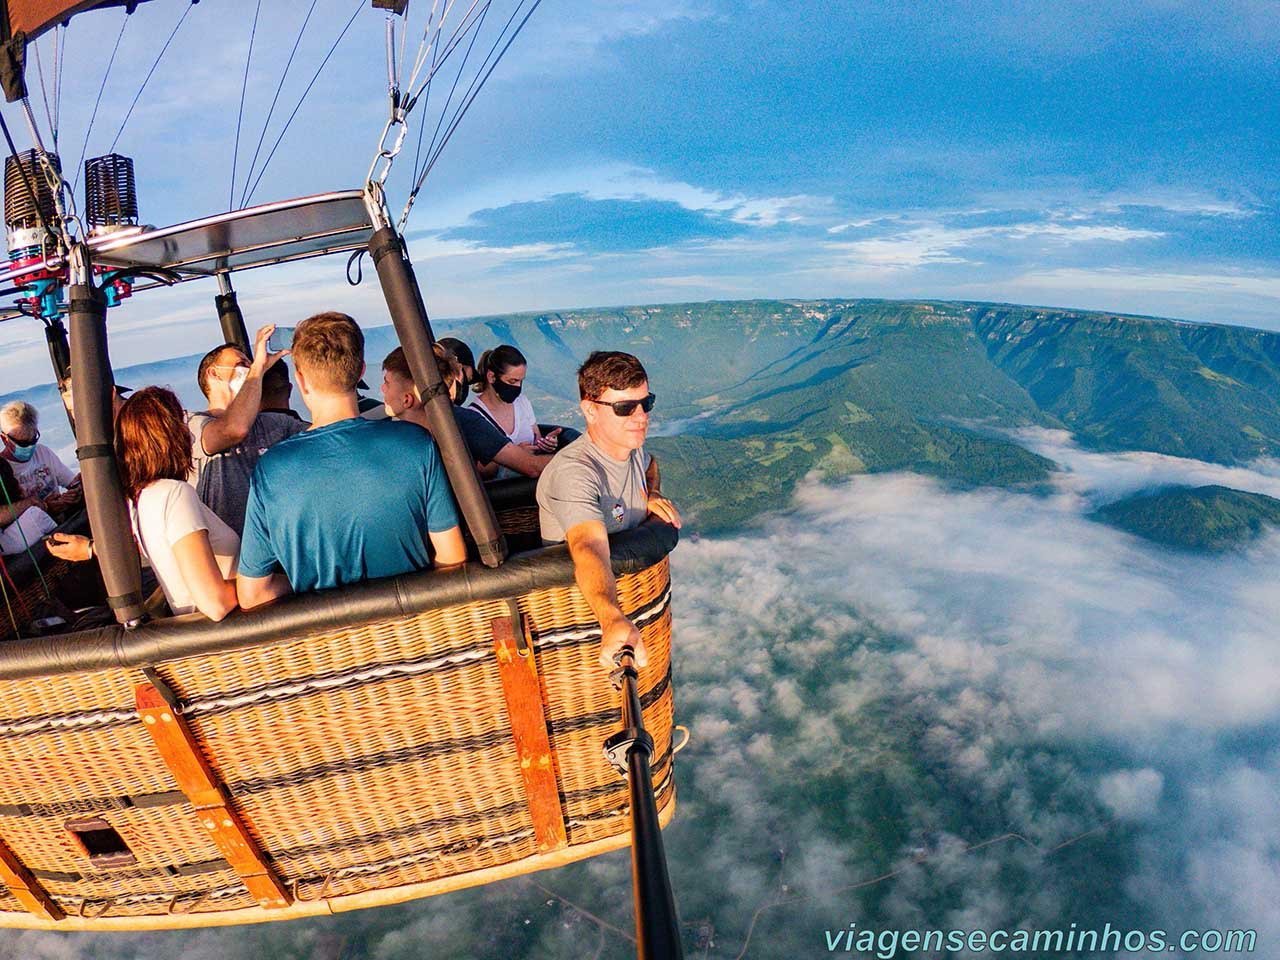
[[178, 748], [523, 692], [25, 888]]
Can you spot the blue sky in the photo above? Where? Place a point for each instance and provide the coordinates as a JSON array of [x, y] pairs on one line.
[[1117, 157]]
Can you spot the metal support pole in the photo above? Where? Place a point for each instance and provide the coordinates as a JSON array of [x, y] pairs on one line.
[[229, 315], [631, 751], [55, 335], [103, 493], [413, 328]]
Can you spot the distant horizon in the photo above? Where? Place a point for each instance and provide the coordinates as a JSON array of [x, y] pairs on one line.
[[16, 393]]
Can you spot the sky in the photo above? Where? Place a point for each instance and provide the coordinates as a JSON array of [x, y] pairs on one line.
[[914, 707], [1111, 157]]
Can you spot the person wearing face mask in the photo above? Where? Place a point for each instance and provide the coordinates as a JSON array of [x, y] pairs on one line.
[[501, 373], [39, 471], [485, 442], [466, 361], [228, 438]]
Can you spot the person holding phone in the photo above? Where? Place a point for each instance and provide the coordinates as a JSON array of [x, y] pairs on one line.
[[501, 401], [191, 551], [228, 438]]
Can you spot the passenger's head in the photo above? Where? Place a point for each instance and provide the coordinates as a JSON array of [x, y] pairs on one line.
[[328, 355], [68, 398], [462, 353], [152, 440], [502, 370], [221, 373], [612, 384], [276, 387], [19, 430], [399, 393]]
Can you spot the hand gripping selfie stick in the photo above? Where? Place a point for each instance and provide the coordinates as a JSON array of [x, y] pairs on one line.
[[630, 750]]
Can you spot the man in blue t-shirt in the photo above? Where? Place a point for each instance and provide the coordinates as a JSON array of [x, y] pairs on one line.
[[349, 499]]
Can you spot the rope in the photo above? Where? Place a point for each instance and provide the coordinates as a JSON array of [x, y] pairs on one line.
[[449, 99], [244, 86], [147, 79], [44, 94], [274, 100], [302, 99], [473, 91], [31, 192], [60, 34], [420, 57], [75, 181], [8, 606], [26, 546]]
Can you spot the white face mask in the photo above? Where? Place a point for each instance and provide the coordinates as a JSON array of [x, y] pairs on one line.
[[237, 380]]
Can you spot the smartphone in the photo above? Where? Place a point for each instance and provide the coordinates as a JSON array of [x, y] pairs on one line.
[[281, 339]]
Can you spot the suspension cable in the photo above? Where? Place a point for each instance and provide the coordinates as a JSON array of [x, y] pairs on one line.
[[470, 96], [44, 95], [475, 35], [59, 57], [302, 99], [438, 59], [244, 86], [84, 147], [147, 79], [420, 56], [274, 100], [26, 182]]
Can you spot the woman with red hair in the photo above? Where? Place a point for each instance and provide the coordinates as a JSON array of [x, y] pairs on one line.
[[192, 552]]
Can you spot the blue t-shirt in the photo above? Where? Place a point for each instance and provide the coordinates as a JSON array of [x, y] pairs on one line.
[[346, 502]]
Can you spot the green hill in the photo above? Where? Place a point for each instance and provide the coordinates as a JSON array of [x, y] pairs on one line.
[[765, 392], [1210, 518]]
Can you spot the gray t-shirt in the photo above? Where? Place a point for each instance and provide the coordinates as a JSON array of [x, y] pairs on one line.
[[583, 483], [222, 479]]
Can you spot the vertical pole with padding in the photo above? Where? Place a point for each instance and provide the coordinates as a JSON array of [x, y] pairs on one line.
[[229, 315], [55, 334], [95, 430], [413, 328]]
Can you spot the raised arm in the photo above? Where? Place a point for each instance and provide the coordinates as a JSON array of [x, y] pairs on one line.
[[593, 572], [225, 431]]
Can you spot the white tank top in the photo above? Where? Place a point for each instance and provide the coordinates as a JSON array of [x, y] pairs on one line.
[[521, 433], [525, 420]]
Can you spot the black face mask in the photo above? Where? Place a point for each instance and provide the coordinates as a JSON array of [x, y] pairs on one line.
[[458, 394], [506, 392]]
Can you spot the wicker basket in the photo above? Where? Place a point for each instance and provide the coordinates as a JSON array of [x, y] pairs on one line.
[[370, 759]]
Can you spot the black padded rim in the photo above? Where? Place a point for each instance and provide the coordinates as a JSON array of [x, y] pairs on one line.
[[408, 595]]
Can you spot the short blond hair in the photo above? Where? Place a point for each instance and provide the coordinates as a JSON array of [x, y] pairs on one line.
[[328, 349], [20, 413]]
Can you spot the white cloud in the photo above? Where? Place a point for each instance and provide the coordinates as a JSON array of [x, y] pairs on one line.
[[1114, 280], [1132, 794], [918, 244], [1101, 477]]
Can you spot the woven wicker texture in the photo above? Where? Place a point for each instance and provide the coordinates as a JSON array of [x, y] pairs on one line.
[[360, 760], [31, 596]]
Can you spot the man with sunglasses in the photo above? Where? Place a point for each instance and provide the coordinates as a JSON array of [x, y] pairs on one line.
[[45, 480], [602, 483], [229, 437]]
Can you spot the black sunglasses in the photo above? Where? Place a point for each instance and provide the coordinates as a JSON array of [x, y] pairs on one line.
[[625, 408], [22, 443]]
